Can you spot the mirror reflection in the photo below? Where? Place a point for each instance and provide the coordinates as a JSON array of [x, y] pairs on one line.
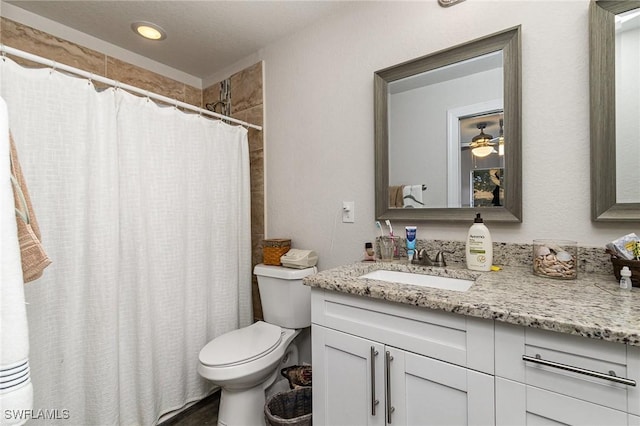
[[444, 131], [627, 65]]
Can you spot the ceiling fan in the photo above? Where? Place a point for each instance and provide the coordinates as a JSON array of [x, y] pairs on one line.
[[483, 144]]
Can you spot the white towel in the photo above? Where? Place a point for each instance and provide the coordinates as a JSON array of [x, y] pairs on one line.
[[412, 196], [16, 391]]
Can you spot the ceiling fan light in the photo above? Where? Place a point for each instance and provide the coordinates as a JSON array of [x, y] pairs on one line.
[[482, 151]]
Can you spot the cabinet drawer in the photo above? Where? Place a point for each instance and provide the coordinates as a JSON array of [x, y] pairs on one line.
[[453, 338], [588, 355], [518, 404]]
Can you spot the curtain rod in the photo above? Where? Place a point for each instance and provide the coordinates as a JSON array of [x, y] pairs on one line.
[[4, 49]]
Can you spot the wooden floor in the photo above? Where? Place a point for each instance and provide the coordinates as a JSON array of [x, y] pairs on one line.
[[204, 412]]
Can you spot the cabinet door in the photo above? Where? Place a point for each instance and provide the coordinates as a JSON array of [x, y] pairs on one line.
[[425, 391], [519, 404], [348, 379]]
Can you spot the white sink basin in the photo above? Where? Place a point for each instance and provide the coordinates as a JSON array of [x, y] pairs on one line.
[[445, 283]]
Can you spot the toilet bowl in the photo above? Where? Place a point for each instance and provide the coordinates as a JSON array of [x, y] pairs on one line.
[[245, 362]]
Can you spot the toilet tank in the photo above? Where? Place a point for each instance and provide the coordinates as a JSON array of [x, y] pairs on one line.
[[285, 300]]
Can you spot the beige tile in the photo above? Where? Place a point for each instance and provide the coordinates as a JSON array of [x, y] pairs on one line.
[[256, 248], [193, 96], [211, 94], [253, 116], [257, 213], [256, 257], [139, 77], [256, 172], [256, 301], [42, 44], [246, 88]]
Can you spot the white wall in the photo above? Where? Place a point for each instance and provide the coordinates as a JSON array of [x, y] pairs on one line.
[[319, 120]]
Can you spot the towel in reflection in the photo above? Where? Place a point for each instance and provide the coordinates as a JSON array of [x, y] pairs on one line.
[[395, 196], [412, 196]]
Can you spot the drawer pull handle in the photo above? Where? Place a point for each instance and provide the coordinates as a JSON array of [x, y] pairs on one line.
[[390, 408], [611, 376], [374, 401]]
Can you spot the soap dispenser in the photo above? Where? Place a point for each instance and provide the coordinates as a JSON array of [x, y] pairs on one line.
[[479, 249]]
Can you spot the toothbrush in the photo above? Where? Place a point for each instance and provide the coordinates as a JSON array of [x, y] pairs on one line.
[[379, 226], [390, 228], [395, 248]]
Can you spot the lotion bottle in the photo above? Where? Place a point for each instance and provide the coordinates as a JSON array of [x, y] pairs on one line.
[[479, 249], [625, 278]]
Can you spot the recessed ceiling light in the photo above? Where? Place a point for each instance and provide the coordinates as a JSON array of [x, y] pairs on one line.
[[149, 30]]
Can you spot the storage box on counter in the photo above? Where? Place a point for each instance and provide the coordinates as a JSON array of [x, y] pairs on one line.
[[634, 265], [273, 249], [625, 251]]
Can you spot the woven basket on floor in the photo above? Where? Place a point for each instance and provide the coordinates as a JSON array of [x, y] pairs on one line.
[[273, 249], [289, 408]]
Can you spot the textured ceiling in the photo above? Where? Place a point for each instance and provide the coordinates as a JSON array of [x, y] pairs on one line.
[[203, 36]]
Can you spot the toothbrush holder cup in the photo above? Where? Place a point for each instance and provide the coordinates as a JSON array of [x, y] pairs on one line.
[[387, 248]]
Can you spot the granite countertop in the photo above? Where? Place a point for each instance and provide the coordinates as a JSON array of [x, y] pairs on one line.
[[592, 305]]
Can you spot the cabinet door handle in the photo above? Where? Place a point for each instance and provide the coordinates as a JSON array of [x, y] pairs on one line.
[[374, 401], [390, 409], [611, 376]]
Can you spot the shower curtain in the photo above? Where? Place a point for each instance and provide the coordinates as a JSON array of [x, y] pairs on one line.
[[145, 212]]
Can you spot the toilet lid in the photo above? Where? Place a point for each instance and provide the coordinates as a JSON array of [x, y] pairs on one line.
[[242, 345]]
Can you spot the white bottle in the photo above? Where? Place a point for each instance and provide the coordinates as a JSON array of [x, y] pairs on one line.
[[625, 278], [479, 246]]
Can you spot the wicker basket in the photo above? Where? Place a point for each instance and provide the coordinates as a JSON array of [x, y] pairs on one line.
[[273, 249], [289, 408], [634, 267]]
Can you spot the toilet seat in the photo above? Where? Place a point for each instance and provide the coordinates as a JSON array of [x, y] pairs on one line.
[[241, 346]]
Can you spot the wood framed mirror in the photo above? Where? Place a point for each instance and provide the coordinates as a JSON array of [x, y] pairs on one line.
[[614, 67], [435, 81]]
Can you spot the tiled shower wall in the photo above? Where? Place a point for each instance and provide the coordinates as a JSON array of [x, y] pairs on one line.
[[246, 95], [247, 105]]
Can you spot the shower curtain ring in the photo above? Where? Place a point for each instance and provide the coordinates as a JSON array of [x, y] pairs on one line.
[[4, 52], [90, 82], [53, 67]]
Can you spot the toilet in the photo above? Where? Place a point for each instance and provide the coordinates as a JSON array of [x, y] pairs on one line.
[[245, 362]]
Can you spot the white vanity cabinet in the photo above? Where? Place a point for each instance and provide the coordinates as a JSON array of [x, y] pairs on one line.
[[545, 377], [379, 363]]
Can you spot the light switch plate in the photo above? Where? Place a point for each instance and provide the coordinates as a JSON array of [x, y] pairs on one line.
[[348, 211]]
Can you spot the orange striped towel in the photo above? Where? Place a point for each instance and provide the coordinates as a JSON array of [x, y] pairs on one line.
[[34, 258]]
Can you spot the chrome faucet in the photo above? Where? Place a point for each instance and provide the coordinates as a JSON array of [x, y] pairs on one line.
[[422, 258]]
